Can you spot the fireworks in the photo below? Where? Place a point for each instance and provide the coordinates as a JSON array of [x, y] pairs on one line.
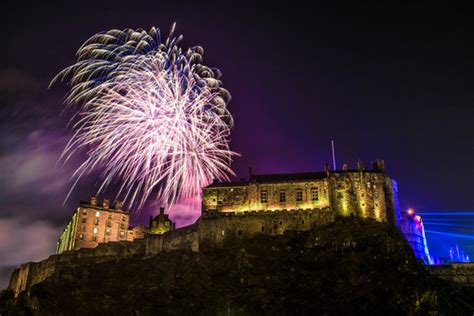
[[151, 118]]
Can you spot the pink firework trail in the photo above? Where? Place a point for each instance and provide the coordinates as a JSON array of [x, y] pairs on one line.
[[154, 129]]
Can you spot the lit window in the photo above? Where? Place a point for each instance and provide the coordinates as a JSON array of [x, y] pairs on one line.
[[368, 185], [95, 230], [84, 211], [314, 194], [263, 197], [299, 195], [96, 221], [282, 196], [81, 236], [122, 233], [83, 228], [97, 214], [223, 233]]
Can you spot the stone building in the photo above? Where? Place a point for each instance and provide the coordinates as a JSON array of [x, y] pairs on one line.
[[160, 223], [349, 192], [92, 224], [411, 225]]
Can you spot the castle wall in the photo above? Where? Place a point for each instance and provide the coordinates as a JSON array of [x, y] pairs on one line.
[[32, 273], [455, 272], [214, 229]]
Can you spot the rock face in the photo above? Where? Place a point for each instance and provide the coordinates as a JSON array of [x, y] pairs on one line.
[[351, 266]]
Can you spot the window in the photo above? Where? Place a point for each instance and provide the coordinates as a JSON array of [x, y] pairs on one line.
[[83, 228], [81, 236], [95, 230], [302, 222], [94, 238], [124, 219], [96, 221], [263, 228], [84, 220], [223, 233], [122, 226], [97, 214], [84, 211], [240, 232], [368, 185], [339, 195], [314, 194], [282, 196], [109, 224], [263, 197], [110, 216], [299, 195], [122, 233]]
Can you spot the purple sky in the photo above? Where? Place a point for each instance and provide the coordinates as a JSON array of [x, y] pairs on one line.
[[383, 82]]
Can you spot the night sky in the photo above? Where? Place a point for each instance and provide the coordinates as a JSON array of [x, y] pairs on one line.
[[383, 81]]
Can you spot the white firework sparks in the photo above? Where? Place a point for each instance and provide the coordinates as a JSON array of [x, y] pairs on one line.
[[154, 125]]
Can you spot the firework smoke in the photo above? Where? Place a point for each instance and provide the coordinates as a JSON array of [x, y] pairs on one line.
[[151, 118]]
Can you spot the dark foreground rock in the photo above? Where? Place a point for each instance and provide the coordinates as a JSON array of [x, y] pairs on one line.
[[352, 266]]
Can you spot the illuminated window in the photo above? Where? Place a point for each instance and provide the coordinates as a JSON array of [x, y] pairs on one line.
[[97, 214], [81, 236], [122, 233], [223, 233], [282, 196], [96, 221], [95, 230], [314, 194], [299, 195], [83, 228], [263, 197], [84, 211], [368, 185]]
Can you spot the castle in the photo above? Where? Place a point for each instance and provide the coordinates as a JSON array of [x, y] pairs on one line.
[[265, 204], [273, 204]]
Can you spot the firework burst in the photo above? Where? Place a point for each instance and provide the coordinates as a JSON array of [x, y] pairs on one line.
[[152, 119]]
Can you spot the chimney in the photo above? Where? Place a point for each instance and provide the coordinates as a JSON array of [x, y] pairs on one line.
[[360, 165], [345, 167], [162, 211], [250, 172], [379, 165], [118, 205], [93, 201], [106, 204]]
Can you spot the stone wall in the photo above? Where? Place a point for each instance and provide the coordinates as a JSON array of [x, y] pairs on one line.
[[31, 273], [455, 272], [215, 228]]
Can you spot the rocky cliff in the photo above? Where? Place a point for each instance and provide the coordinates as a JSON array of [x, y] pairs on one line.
[[351, 266]]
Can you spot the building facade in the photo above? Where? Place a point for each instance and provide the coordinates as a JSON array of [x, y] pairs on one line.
[[411, 225], [161, 223], [357, 192], [92, 224]]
